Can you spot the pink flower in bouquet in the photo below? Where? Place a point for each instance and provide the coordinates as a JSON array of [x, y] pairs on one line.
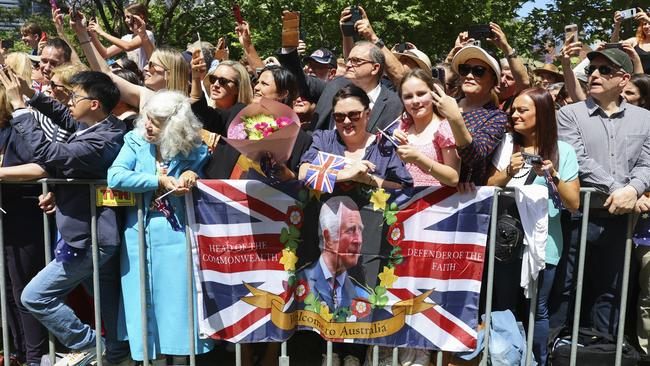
[[261, 126], [283, 121]]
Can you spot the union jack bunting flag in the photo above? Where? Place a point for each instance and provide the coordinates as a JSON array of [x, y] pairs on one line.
[[413, 263], [321, 174]]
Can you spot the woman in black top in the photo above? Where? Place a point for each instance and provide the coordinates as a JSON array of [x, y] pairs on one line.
[[641, 41], [231, 91]]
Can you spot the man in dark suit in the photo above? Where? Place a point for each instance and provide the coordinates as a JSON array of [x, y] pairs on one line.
[[341, 230], [364, 68]]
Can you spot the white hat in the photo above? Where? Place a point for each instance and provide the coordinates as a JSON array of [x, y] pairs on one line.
[[470, 52], [418, 57]]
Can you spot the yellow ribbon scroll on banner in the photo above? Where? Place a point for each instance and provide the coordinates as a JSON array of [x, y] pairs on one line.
[[347, 330], [114, 198]]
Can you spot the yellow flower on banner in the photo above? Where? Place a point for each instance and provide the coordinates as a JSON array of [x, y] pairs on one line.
[[325, 312], [378, 199], [387, 277], [289, 260]]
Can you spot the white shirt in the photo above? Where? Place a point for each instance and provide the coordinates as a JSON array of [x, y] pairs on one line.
[[139, 56], [340, 279], [374, 94]]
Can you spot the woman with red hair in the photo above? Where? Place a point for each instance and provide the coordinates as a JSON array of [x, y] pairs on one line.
[[641, 41]]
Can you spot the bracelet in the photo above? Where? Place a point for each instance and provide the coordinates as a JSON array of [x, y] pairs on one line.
[[84, 42], [430, 169]]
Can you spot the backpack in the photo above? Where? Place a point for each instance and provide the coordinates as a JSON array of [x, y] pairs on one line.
[[594, 349]]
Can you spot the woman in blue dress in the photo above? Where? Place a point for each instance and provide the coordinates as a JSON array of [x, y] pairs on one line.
[[163, 153]]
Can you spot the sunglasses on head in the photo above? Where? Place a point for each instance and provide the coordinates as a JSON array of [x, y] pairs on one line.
[[477, 70], [223, 82], [353, 116], [602, 69]]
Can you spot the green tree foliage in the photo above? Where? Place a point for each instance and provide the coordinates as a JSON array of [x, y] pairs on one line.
[[431, 25]]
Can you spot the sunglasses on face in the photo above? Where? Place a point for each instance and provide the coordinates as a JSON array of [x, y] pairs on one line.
[[466, 69], [151, 65], [58, 86], [223, 82], [353, 116], [602, 69]]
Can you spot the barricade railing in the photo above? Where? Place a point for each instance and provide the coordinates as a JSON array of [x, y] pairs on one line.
[[284, 358]]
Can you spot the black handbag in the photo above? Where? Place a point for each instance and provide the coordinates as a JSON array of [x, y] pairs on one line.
[[594, 349], [510, 232]]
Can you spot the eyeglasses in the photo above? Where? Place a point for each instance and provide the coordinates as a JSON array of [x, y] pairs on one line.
[[223, 82], [602, 69], [356, 62], [478, 70], [151, 65], [353, 116], [76, 98], [54, 85]]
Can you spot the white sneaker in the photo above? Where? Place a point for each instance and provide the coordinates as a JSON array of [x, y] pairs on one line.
[[336, 361], [80, 357], [351, 361]]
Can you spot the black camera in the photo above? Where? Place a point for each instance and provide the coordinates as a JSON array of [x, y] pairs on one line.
[[532, 159], [348, 27]]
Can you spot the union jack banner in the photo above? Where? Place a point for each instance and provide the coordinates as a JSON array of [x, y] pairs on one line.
[[321, 174], [261, 274]]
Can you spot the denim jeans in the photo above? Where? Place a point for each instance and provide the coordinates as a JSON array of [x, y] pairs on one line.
[[44, 295], [540, 336]]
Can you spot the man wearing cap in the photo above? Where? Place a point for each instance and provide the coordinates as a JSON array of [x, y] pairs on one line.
[[321, 64], [549, 74], [612, 143]]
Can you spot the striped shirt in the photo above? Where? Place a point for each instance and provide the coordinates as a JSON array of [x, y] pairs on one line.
[[50, 129]]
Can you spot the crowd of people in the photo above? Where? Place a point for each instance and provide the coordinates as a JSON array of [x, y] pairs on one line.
[[149, 119]]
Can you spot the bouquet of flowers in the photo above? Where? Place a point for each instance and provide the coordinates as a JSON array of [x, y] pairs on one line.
[[267, 126]]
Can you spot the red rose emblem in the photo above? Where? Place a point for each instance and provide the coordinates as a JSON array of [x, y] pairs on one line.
[[294, 216], [301, 291], [395, 233], [360, 308]]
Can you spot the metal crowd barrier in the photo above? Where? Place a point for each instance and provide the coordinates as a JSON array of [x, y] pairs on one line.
[[284, 358]]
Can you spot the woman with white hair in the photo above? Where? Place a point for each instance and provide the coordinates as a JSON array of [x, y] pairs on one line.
[[163, 153]]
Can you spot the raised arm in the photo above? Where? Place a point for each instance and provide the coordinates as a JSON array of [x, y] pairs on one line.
[[347, 41], [517, 66], [617, 27], [394, 69], [571, 82], [117, 44], [57, 18], [244, 34]]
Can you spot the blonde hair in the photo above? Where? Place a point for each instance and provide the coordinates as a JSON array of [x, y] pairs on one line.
[[176, 68], [243, 81], [66, 71], [20, 64], [181, 130]]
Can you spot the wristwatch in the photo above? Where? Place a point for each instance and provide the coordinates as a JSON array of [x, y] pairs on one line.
[[512, 54], [380, 43]]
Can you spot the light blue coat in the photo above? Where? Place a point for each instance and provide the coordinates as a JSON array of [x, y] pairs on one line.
[[134, 170]]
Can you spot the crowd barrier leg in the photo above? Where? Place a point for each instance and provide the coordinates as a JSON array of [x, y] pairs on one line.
[[532, 311], [284, 358], [237, 354], [490, 279], [47, 244], [3, 292], [190, 295], [329, 353], [580, 278], [439, 355], [631, 220], [395, 356], [143, 282], [375, 356], [96, 292]]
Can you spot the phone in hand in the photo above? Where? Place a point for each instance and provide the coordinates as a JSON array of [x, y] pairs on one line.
[[532, 159], [480, 31], [236, 12], [613, 45], [571, 33], [43, 36], [401, 47], [628, 13], [438, 72], [7, 44]]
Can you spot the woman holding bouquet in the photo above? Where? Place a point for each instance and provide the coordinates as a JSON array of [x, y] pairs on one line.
[[231, 91], [372, 158], [163, 153]]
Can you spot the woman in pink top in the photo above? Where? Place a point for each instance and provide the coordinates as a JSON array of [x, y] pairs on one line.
[[427, 144]]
